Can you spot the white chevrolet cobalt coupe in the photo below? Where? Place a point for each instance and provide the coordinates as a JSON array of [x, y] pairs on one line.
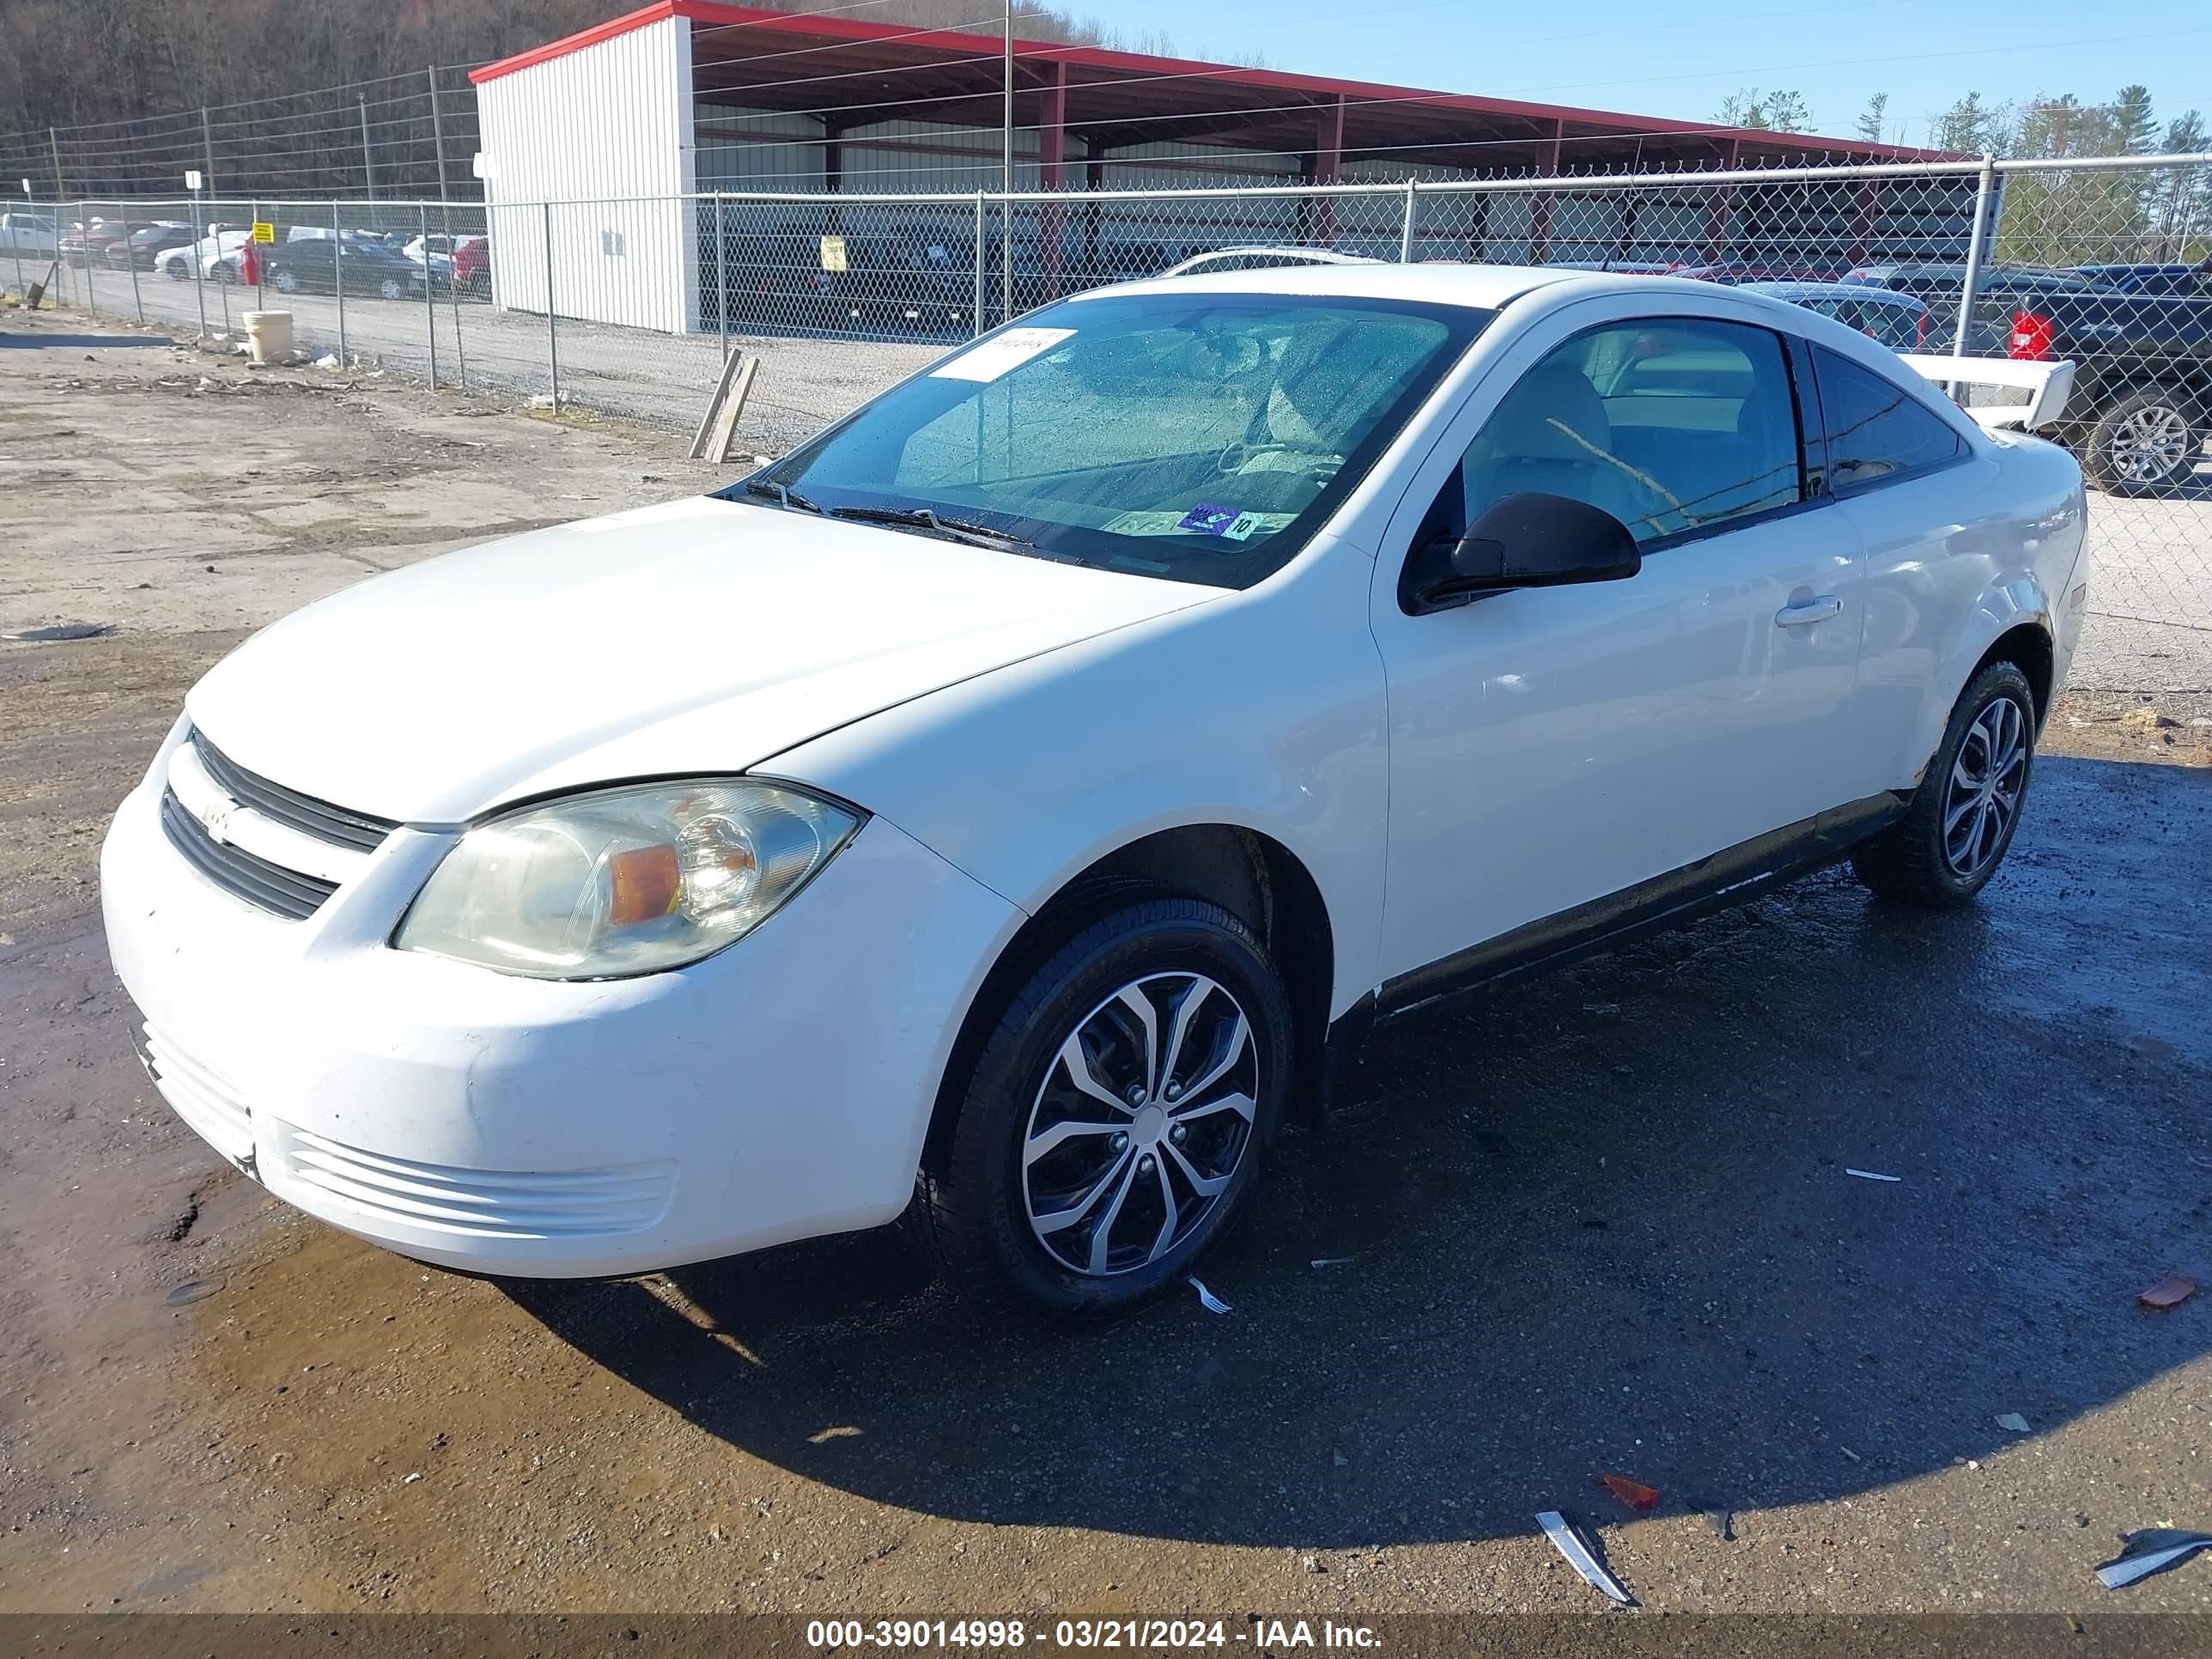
[[1002, 808]]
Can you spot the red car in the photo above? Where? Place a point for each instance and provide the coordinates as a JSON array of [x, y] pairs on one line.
[[472, 265]]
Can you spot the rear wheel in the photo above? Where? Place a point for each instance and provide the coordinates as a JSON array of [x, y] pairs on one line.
[[1954, 835], [1114, 1121], [2148, 442]]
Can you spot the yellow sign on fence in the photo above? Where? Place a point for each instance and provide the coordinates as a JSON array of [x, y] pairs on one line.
[[264, 233]]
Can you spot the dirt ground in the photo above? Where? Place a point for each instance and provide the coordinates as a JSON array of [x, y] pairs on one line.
[[1600, 1223]]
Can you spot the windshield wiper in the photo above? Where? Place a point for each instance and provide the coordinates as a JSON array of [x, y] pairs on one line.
[[782, 495], [923, 518]]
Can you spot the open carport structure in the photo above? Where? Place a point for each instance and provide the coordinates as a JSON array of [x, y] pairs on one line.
[[641, 114]]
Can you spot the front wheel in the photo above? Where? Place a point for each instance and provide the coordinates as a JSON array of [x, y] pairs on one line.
[[1114, 1121], [1954, 833], [393, 288], [286, 282], [2146, 443]]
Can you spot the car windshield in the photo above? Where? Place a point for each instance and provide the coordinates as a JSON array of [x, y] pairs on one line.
[[1200, 437]]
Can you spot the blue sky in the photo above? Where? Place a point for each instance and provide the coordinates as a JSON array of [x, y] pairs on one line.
[[1672, 58]]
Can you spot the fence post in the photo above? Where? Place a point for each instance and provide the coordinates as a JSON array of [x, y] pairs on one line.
[[338, 277], [192, 259], [552, 335], [429, 295], [90, 298], [722, 273], [261, 262], [453, 284], [130, 258], [976, 321], [1405, 229], [1976, 251]]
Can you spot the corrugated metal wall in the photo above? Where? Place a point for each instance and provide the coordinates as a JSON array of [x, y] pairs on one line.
[[603, 132]]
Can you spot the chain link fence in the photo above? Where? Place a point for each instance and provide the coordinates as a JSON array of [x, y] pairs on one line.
[[629, 308]]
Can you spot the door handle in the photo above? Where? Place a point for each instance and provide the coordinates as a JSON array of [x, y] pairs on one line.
[[1808, 611]]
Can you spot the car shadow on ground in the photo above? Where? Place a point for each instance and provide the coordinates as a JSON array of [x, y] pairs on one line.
[[83, 342], [1603, 1221]]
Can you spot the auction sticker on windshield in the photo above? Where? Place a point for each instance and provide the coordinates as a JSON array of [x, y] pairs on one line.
[[1001, 353]]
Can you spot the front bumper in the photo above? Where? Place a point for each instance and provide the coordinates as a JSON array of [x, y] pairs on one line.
[[779, 1089]]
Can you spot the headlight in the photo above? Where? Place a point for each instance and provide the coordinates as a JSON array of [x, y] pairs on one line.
[[627, 881]]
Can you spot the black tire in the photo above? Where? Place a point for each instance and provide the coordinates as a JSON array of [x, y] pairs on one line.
[[1916, 860], [975, 1219], [2119, 458], [285, 283]]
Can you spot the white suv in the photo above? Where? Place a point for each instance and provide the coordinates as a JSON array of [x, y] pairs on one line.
[[998, 810]]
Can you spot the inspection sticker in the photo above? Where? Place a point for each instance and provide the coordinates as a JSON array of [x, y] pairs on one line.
[[1225, 522], [1229, 523], [1001, 353]]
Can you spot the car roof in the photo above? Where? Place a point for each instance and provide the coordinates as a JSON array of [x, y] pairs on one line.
[[1479, 286], [1864, 293]]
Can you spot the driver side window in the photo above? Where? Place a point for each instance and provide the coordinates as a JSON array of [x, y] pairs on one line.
[[1671, 425]]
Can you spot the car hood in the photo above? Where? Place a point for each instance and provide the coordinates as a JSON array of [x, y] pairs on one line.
[[700, 636]]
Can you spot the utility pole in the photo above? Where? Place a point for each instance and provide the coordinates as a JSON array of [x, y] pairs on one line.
[[54, 139], [437, 131], [368, 162], [206, 147], [1007, 180]]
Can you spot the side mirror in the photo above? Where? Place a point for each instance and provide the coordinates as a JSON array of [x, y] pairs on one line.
[[1526, 540]]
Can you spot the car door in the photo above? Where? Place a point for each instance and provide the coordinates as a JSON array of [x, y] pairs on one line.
[[1929, 548], [1552, 746]]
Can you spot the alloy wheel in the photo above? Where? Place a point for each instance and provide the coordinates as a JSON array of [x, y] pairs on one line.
[[1986, 781], [1143, 1117], [2149, 444]]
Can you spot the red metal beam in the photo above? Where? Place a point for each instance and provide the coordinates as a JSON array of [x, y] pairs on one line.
[[718, 25], [1052, 174], [1540, 218], [1325, 165]]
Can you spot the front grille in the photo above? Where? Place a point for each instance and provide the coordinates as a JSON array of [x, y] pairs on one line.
[[288, 806], [285, 892], [479, 1203], [204, 1101]]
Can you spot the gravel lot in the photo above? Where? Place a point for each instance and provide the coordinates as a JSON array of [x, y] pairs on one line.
[[1597, 1222]]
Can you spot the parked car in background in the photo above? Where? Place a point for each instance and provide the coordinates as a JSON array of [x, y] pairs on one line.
[[472, 265], [86, 242], [910, 279], [318, 265], [219, 244], [28, 234], [437, 254], [2175, 281], [769, 276], [1900, 321], [144, 247], [2141, 408], [1999, 291], [1100, 732]]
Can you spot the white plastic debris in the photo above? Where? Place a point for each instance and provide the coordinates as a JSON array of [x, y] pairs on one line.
[[328, 360], [1570, 1543], [1207, 1300], [2152, 1550], [1868, 1175], [1322, 1261], [2013, 1422]]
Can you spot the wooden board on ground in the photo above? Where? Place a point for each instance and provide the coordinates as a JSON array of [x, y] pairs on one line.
[[714, 405], [725, 423]]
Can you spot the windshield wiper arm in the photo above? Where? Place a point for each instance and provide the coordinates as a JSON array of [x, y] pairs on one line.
[[782, 493], [923, 518]]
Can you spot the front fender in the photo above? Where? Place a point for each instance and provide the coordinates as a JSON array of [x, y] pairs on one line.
[[1264, 711]]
